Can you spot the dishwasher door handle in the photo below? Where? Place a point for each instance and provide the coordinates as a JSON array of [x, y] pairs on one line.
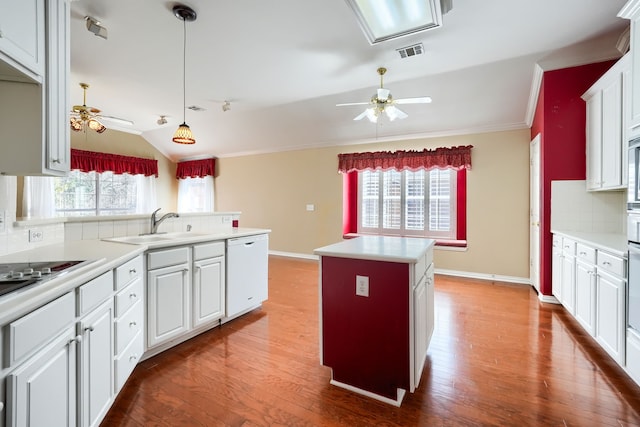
[[249, 243]]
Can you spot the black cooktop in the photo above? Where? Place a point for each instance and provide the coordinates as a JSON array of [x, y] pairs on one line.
[[17, 275]]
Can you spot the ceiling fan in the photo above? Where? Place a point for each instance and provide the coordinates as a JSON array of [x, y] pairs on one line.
[[383, 102], [83, 116]]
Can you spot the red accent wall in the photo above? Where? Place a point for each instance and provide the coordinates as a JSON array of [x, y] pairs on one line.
[[560, 118], [350, 202], [365, 340], [461, 205]]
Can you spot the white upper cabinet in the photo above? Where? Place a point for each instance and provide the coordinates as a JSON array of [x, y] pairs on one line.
[[34, 111], [22, 35], [631, 11], [607, 111]]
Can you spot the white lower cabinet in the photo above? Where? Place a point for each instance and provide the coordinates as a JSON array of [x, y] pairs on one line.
[[208, 290], [556, 268], [585, 307], [633, 355], [96, 364], [185, 291], [593, 283], [568, 277], [423, 313], [611, 328], [42, 390]]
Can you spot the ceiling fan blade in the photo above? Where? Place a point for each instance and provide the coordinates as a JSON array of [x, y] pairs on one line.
[[352, 103], [395, 113], [418, 100], [117, 120], [361, 115]]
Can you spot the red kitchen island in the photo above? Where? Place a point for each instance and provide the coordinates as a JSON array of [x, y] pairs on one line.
[[376, 313]]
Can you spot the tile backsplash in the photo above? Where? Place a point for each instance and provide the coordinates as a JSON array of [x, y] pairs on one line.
[[16, 238], [575, 209]]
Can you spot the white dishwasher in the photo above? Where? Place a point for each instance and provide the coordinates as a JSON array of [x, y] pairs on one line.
[[247, 273]]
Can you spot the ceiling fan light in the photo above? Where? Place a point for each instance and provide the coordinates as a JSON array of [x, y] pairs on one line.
[[183, 135], [76, 124], [383, 94], [96, 125], [372, 115]]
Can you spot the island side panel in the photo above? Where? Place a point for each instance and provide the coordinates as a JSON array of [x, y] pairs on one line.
[[365, 340]]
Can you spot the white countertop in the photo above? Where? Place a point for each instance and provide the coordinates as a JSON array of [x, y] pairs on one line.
[[187, 238], [614, 243], [379, 248], [107, 255]]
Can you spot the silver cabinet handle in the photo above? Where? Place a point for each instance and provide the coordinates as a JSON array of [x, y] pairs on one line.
[[583, 253], [133, 295], [131, 324], [132, 271], [89, 329], [606, 263], [55, 160], [133, 357]]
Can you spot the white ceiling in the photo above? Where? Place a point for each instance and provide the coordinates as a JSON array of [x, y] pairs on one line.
[[284, 64]]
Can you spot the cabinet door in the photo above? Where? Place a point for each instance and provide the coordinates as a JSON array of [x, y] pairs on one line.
[[22, 33], [96, 366], [586, 295], [610, 303], [57, 139], [420, 326], [42, 391], [612, 135], [208, 290], [556, 268], [594, 141], [634, 125], [168, 303], [568, 282]]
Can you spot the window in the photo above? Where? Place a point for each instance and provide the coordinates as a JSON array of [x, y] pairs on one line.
[[92, 193], [195, 194], [408, 203]]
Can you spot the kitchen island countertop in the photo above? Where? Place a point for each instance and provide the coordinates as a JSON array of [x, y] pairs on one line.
[[379, 248]]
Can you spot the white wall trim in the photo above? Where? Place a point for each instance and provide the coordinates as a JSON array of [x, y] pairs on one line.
[[295, 255], [549, 299], [470, 275], [536, 84], [484, 276]]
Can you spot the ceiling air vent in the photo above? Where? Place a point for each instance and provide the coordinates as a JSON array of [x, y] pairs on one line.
[[413, 50], [196, 108]]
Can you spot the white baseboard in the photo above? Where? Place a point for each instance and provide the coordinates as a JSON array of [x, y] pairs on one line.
[[549, 299], [467, 274], [484, 276], [294, 255]]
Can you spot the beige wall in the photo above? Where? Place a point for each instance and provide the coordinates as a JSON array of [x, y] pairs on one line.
[[126, 144], [272, 191]]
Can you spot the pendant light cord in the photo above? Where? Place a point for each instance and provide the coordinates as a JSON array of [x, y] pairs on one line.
[[184, 70]]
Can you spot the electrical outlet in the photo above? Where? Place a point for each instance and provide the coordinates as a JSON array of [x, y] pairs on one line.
[[311, 207], [226, 219], [36, 236], [362, 286], [3, 218]]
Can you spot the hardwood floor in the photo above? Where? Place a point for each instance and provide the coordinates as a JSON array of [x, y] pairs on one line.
[[497, 357]]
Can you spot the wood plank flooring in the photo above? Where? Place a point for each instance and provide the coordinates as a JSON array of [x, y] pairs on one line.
[[497, 357]]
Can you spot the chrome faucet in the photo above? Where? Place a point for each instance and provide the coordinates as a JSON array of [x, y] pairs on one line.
[[156, 222]]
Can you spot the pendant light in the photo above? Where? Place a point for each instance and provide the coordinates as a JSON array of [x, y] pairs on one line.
[[183, 134]]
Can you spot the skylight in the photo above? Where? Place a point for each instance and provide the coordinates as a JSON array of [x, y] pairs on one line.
[[383, 20]]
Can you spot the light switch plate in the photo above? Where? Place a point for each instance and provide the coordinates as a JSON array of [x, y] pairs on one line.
[[362, 286], [311, 207], [36, 236]]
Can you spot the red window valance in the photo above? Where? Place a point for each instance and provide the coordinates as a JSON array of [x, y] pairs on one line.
[[90, 161], [441, 158], [196, 168]]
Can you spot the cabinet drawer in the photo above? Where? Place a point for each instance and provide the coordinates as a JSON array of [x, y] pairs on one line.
[[167, 257], [128, 296], [557, 242], [568, 246], [127, 361], [94, 292], [36, 328], [128, 271], [586, 253], [611, 263], [128, 327], [208, 250]]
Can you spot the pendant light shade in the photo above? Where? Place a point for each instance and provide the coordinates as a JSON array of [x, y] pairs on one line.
[[183, 134]]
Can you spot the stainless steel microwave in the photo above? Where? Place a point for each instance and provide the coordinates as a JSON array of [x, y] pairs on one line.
[[633, 192]]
